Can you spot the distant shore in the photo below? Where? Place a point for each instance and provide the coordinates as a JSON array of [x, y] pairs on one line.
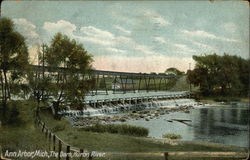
[[227, 100]]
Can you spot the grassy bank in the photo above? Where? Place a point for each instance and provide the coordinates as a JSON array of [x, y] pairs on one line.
[[18, 130]]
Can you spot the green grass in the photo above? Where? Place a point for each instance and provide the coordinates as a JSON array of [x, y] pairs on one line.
[[171, 136], [122, 129], [24, 138]]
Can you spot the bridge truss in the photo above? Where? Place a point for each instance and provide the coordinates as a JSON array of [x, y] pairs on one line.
[[106, 80]]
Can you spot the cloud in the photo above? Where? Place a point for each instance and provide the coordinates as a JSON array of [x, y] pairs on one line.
[[62, 26], [123, 39], [182, 48], [94, 35], [95, 40], [28, 30], [156, 18], [91, 34], [122, 29], [160, 40], [204, 46], [115, 50], [144, 49], [204, 34], [96, 32], [101, 37], [140, 17]]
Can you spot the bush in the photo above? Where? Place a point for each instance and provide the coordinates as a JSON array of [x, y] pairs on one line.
[[171, 136], [19, 113], [123, 129]]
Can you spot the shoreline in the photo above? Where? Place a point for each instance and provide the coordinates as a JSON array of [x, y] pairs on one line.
[[223, 100]]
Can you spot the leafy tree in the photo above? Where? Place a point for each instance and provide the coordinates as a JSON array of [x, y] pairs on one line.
[[13, 56], [73, 80], [220, 75], [176, 75], [175, 71], [38, 80]]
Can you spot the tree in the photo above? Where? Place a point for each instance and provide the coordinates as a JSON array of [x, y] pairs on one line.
[[220, 75], [176, 75], [13, 56], [39, 81], [73, 81], [175, 71]]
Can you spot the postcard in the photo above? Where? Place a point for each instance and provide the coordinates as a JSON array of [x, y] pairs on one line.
[[116, 80]]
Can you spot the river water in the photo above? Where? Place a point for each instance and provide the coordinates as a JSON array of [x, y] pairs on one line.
[[225, 124]]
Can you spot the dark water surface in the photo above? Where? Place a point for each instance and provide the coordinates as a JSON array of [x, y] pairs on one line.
[[226, 125]]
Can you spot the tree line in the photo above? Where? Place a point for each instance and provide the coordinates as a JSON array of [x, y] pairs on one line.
[[224, 75], [19, 80]]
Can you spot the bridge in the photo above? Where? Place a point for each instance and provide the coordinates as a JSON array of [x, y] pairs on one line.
[[122, 81], [123, 87]]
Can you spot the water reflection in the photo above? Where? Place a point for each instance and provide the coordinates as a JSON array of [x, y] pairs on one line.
[[226, 125]]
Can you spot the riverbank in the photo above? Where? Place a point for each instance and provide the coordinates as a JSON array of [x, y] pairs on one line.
[[219, 99]]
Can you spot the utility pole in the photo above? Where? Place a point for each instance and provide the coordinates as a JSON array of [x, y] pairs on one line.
[[43, 51], [189, 82]]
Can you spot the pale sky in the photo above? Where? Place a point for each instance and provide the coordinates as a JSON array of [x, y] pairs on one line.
[[137, 36]]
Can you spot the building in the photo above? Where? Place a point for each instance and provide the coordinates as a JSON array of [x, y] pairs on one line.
[[120, 84]]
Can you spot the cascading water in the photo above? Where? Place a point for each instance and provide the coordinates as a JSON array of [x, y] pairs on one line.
[[106, 110]]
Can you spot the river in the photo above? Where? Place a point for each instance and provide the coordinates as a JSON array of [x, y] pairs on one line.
[[219, 124]]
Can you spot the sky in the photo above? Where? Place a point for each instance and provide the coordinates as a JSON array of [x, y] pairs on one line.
[[137, 36]]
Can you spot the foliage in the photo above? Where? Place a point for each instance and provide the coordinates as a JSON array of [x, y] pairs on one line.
[[13, 56], [174, 71], [74, 80], [177, 75], [171, 136], [220, 75], [38, 81], [123, 129], [19, 113]]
